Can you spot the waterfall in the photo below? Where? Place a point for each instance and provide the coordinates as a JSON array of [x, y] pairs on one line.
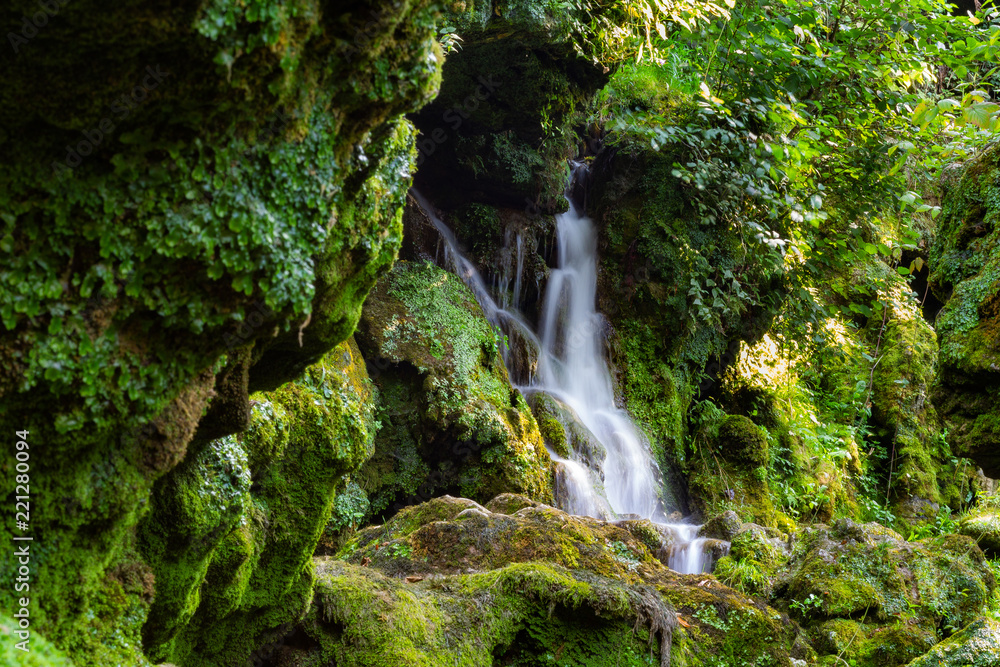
[[571, 369]]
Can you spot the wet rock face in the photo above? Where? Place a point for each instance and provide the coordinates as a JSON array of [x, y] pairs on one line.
[[450, 419], [965, 275], [565, 433]]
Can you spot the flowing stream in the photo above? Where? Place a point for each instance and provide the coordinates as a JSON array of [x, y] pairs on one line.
[[610, 472]]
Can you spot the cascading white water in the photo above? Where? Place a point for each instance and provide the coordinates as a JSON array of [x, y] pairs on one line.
[[572, 369]]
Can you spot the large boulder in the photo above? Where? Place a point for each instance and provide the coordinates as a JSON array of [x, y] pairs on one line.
[[451, 581], [451, 421], [978, 644], [867, 595]]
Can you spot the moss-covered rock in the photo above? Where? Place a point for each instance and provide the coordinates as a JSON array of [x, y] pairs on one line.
[[983, 526], [451, 582], [965, 275], [902, 410], [520, 614], [896, 598], [742, 441], [975, 645], [730, 473], [231, 534], [723, 526], [225, 177], [451, 421], [871, 644], [752, 563], [452, 536], [564, 432]]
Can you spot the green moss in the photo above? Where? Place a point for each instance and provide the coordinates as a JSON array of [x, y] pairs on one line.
[[742, 441], [534, 614], [680, 290], [564, 432], [39, 651], [870, 645], [984, 527], [900, 391], [721, 478], [975, 645], [751, 565], [264, 166], [965, 263], [898, 598], [450, 535], [192, 510], [452, 422], [233, 561], [544, 588]]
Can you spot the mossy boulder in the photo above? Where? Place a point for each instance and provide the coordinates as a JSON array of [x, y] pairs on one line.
[[232, 532], [742, 441], [565, 433], [453, 536], [451, 582], [896, 595], [974, 645], [965, 275], [508, 503], [983, 526], [451, 421], [723, 526], [731, 473], [870, 644], [520, 614]]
